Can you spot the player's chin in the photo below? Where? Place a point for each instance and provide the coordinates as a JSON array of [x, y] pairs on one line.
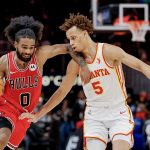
[[77, 50], [26, 59]]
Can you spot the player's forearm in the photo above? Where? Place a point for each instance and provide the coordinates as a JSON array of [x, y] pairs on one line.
[[137, 64], [55, 99], [145, 69], [77, 57]]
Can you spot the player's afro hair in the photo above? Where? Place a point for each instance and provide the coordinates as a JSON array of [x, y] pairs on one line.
[[28, 27]]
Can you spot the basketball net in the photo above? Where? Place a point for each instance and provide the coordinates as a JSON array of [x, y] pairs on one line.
[[138, 30]]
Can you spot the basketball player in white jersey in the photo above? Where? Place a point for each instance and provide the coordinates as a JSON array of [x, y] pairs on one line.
[[107, 113]]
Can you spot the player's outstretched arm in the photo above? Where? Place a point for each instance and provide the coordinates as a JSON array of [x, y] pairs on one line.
[[136, 64], [120, 56], [58, 96], [45, 52], [49, 51]]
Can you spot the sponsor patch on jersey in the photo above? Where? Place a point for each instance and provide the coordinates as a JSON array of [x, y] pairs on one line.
[[32, 67]]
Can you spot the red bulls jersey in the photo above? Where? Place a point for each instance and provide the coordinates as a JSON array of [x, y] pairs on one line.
[[23, 86]]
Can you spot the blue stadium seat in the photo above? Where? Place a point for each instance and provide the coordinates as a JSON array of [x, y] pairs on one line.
[[138, 126], [139, 142], [139, 139]]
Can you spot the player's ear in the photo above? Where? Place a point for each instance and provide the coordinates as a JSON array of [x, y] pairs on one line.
[[85, 33], [15, 44]]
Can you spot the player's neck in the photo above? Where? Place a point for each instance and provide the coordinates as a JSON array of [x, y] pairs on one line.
[[90, 51], [20, 64]]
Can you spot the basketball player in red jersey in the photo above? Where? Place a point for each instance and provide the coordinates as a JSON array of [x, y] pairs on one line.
[[22, 70], [106, 110]]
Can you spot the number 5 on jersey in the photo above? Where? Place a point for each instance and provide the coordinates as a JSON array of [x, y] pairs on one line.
[[97, 88]]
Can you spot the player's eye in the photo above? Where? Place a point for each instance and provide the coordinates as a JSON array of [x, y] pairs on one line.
[[24, 47], [32, 47], [73, 38]]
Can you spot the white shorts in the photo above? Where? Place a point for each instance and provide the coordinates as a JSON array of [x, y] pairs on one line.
[[107, 122]]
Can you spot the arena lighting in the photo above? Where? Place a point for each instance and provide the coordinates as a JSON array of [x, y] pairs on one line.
[[56, 80]]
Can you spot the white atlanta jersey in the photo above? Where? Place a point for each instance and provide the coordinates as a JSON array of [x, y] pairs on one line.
[[107, 84]]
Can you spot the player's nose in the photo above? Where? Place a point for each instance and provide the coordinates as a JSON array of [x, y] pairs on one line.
[[28, 51], [71, 43]]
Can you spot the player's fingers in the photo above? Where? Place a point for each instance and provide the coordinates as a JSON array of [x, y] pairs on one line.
[[82, 79], [86, 80], [24, 115], [32, 120]]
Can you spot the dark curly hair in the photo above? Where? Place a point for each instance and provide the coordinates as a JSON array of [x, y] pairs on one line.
[[80, 21], [23, 26]]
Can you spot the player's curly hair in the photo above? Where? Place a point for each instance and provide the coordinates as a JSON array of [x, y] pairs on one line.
[[23, 26], [78, 20]]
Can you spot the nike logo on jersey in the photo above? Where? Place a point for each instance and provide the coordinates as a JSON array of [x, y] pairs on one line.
[[122, 112], [11, 72], [89, 112]]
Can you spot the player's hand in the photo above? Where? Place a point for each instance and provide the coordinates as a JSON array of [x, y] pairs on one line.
[[85, 74], [29, 116], [1, 86]]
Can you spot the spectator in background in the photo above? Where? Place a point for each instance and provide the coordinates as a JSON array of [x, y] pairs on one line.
[[143, 56], [141, 111], [146, 132], [67, 125], [146, 128], [79, 106], [131, 103]]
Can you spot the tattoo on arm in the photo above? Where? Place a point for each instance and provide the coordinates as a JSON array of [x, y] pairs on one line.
[[77, 57]]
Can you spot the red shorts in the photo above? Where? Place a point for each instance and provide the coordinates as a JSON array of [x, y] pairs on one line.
[[19, 126]]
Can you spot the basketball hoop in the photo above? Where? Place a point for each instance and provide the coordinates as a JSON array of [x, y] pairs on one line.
[[138, 30]]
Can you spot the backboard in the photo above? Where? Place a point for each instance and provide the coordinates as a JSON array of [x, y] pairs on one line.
[[114, 17]]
